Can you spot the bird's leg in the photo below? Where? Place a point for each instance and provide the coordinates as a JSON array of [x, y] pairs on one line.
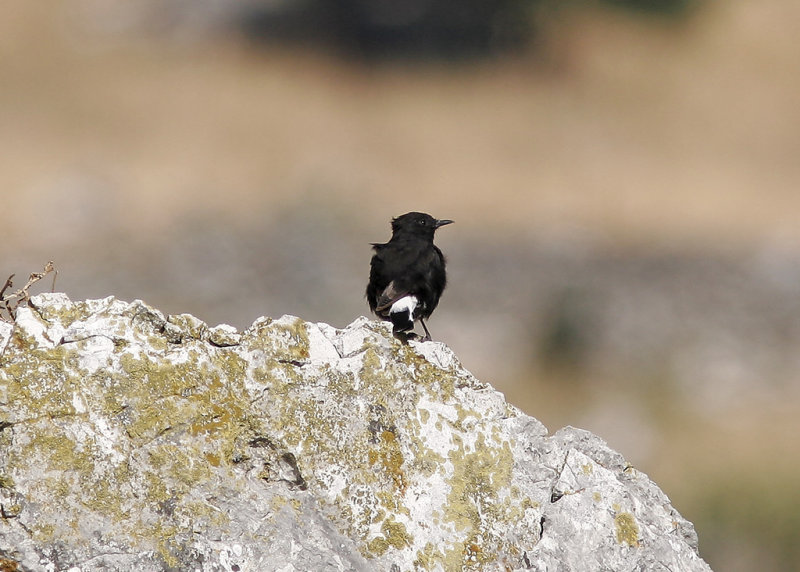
[[427, 337]]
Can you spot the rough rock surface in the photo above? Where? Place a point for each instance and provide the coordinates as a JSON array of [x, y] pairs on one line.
[[134, 441]]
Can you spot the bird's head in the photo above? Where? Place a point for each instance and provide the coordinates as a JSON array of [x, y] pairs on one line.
[[417, 224]]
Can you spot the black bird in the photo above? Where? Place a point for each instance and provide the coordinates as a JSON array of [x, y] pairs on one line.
[[407, 274]]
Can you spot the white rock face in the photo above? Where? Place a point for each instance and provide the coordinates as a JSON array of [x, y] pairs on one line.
[[132, 441]]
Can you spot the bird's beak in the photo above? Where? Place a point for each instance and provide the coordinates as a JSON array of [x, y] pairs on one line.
[[443, 222]]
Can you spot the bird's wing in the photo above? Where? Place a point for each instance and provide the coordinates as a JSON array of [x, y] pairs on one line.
[[389, 296]]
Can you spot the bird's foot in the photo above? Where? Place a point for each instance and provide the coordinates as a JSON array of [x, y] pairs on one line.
[[405, 337]]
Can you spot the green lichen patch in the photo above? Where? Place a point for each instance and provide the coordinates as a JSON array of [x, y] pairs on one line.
[[478, 498], [281, 502], [426, 461], [108, 493], [197, 396], [181, 407], [389, 456], [54, 448], [180, 464], [627, 530], [167, 544], [377, 376], [439, 383], [40, 382], [393, 535], [429, 558], [285, 339]]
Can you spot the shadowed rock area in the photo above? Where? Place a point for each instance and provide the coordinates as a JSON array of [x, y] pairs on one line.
[[134, 441]]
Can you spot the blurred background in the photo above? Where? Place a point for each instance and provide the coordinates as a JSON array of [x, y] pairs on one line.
[[624, 177]]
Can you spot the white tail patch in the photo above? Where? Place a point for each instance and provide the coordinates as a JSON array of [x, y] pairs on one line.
[[405, 304]]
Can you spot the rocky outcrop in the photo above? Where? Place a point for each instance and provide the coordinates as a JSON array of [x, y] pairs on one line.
[[134, 441]]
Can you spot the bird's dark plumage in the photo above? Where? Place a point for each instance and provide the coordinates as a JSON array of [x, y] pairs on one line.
[[407, 274]]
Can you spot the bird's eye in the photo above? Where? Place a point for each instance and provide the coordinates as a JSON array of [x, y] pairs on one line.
[[421, 222]]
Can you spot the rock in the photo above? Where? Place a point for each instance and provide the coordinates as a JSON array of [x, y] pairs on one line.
[[135, 441]]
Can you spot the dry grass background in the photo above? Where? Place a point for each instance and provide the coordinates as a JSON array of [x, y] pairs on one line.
[[205, 176]]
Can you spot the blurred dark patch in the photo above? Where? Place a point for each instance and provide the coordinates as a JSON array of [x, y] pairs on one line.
[[660, 7], [568, 328], [386, 29], [419, 29]]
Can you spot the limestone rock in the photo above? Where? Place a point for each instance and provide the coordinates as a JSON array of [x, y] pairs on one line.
[[134, 441]]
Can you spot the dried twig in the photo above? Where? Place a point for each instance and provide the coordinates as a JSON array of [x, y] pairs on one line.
[[9, 303], [6, 286]]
